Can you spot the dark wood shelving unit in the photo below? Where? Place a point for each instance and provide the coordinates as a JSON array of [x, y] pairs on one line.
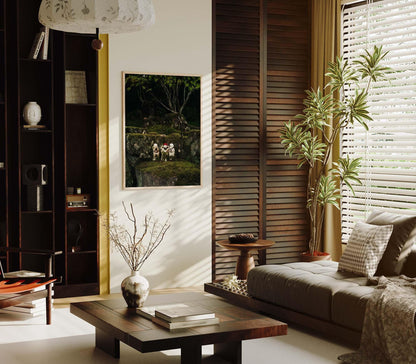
[[68, 146], [3, 138]]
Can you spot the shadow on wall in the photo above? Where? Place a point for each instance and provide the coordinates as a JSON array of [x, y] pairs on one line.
[[183, 259]]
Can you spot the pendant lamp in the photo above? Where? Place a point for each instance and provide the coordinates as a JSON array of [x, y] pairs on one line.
[[97, 16]]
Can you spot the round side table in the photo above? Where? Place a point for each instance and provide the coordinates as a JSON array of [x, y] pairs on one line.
[[245, 261]]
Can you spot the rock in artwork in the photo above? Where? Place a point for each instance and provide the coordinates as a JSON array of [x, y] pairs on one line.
[[162, 130]]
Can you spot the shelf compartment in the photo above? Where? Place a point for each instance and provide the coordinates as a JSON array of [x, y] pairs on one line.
[[81, 152], [78, 57], [31, 238], [82, 232], [36, 85], [32, 224], [36, 148], [28, 25], [76, 290], [82, 268], [46, 206]]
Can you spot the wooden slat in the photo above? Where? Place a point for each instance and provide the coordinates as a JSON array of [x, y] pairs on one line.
[[261, 72]]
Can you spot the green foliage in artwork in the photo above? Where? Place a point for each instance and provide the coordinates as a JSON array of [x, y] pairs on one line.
[[183, 173], [153, 99], [163, 129]]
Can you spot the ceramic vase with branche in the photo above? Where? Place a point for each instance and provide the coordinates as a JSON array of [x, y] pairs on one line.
[[135, 248], [135, 289]]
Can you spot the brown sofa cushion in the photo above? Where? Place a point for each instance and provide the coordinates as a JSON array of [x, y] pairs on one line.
[[304, 287], [409, 267], [400, 243], [348, 306]]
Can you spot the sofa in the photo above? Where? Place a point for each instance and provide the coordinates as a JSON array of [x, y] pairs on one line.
[[325, 298]]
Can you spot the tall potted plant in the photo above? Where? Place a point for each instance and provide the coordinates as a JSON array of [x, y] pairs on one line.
[[311, 140]]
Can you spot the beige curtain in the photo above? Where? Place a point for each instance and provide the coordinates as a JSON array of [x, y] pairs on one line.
[[326, 19]]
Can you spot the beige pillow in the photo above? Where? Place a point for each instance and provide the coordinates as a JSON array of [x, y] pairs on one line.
[[365, 248], [400, 243]]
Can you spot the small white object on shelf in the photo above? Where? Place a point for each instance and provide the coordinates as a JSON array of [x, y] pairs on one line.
[[36, 45], [32, 113], [45, 44]]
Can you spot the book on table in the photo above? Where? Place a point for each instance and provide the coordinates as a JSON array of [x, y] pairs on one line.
[[149, 311], [178, 315], [185, 324]]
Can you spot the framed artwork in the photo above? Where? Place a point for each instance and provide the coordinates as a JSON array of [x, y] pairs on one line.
[[162, 130], [75, 87]]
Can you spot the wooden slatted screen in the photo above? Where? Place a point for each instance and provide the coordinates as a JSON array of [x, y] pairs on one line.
[[237, 108], [287, 80], [261, 53]]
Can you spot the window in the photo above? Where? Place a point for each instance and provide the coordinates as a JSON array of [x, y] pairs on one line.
[[388, 149]]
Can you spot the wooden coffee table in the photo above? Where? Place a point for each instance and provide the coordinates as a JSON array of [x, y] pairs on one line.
[[114, 322]]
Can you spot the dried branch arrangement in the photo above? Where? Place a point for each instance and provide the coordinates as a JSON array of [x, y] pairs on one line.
[[136, 247]]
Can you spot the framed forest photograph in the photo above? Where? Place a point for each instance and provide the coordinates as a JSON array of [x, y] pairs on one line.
[[162, 130]]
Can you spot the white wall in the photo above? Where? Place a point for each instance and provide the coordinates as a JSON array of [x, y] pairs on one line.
[[178, 43]]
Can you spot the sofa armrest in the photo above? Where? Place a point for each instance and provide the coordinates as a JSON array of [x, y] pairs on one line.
[[409, 267]]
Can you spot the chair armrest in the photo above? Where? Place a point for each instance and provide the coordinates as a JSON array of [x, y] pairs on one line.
[[48, 254], [31, 251]]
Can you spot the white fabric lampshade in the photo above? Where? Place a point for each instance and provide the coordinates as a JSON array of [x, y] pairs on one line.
[[85, 16]]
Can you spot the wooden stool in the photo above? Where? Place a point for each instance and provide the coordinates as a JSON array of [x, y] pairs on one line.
[[245, 261]]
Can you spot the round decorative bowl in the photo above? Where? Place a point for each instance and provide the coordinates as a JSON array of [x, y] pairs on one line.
[[242, 238]]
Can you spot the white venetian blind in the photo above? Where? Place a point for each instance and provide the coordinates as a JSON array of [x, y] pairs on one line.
[[388, 149]]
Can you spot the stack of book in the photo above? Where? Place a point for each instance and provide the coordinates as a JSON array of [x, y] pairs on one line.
[[40, 45], [32, 308], [179, 316]]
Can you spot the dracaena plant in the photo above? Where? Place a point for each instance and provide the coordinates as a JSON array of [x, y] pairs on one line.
[[311, 139]]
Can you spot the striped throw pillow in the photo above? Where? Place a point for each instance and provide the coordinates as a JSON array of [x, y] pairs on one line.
[[365, 248]]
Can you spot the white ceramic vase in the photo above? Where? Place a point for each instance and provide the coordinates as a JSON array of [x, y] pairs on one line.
[[135, 289], [32, 113]]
